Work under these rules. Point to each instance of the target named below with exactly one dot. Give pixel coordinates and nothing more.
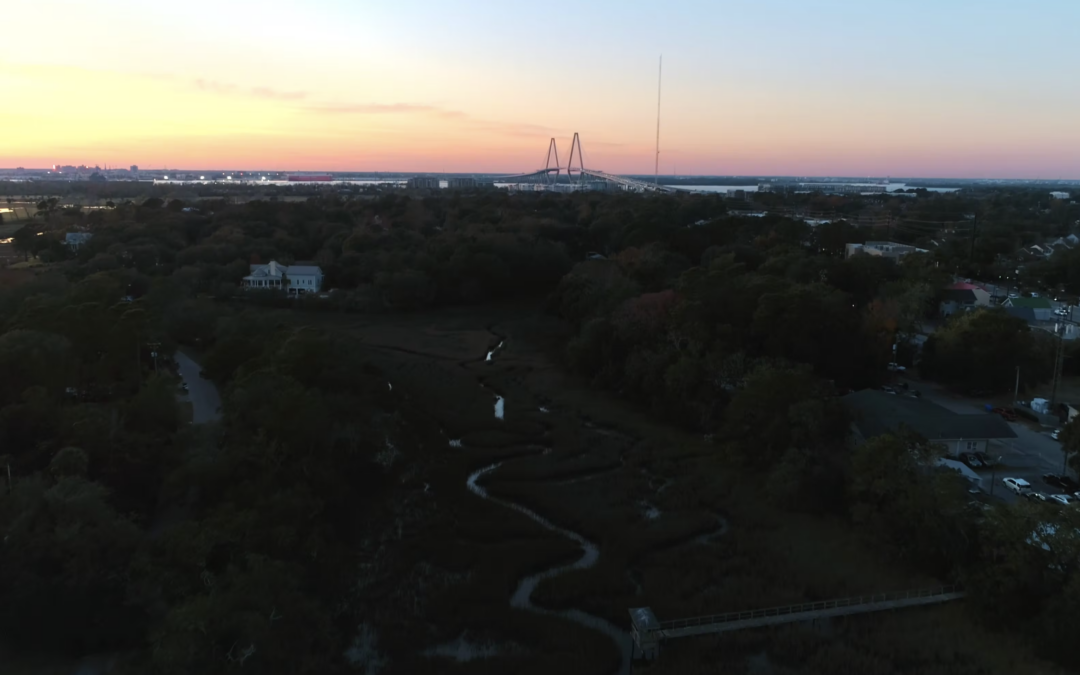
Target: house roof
(962, 296)
(264, 271)
(1025, 313)
(1033, 303)
(964, 286)
(877, 412)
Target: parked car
(971, 460)
(1064, 482)
(1036, 496)
(1017, 485)
(1008, 413)
(1055, 434)
(183, 386)
(1064, 500)
(896, 368)
(985, 459)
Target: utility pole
(154, 346)
(1016, 391)
(1059, 358)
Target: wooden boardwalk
(648, 632)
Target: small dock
(648, 632)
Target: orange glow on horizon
(70, 115)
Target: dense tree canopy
(206, 549)
(981, 351)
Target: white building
(294, 279)
(882, 249)
(1059, 195)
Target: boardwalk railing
(648, 632)
(868, 600)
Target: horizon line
(890, 178)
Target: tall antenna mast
(659, 82)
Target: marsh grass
(620, 457)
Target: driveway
(204, 397)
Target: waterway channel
(590, 552)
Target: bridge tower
(552, 151)
(576, 144)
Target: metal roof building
(876, 412)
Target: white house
(882, 249)
(294, 279)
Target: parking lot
(1030, 455)
(1020, 458)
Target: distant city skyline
(963, 89)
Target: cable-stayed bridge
(577, 177)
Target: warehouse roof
(877, 412)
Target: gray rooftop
(1024, 313)
(959, 295)
(877, 412)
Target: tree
(832, 237)
(980, 352)
(46, 207)
(153, 411)
(901, 498)
(65, 555)
(1027, 574)
(1070, 443)
(27, 241)
(778, 407)
(33, 358)
(814, 324)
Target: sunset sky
(944, 88)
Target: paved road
(1030, 455)
(204, 397)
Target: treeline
(976, 232)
